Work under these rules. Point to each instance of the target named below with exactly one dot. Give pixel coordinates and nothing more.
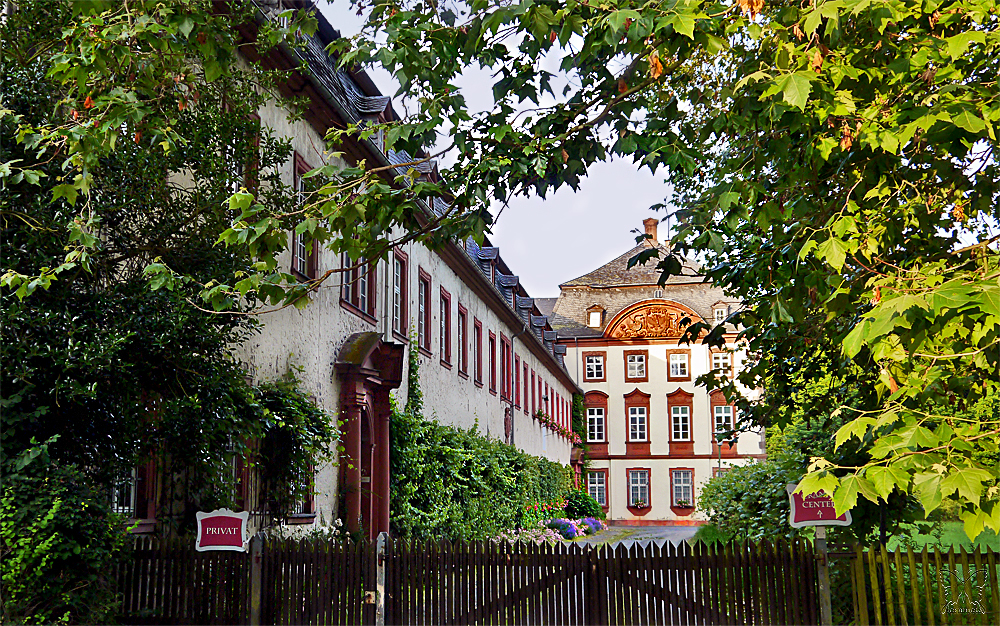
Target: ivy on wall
(456, 483)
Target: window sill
(679, 379)
(141, 526)
(464, 375)
(400, 336)
(301, 518)
(368, 317)
(446, 365)
(424, 351)
(682, 511)
(305, 278)
(493, 391)
(595, 380)
(639, 511)
(644, 379)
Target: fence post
(380, 578)
(255, 579)
(823, 571)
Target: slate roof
(616, 274)
(613, 287)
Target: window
(463, 340)
(424, 311)
(123, 492)
(493, 362)
(505, 390)
(597, 487)
(304, 253)
(678, 366)
(657, 293)
(517, 381)
(534, 404)
(525, 382)
(358, 284)
(477, 347)
(723, 421)
(719, 313)
(445, 330)
(594, 319)
(638, 488)
(593, 366)
(635, 365)
(595, 424)
(399, 319)
(680, 420)
(305, 507)
(723, 363)
(637, 423)
(683, 489)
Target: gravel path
(629, 535)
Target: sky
(551, 241)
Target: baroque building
(653, 436)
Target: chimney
(650, 225)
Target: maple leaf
(655, 67)
(88, 103)
(751, 7)
(622, 85)
(817, 61)
(552, 36)
(565, 156)
(797, 31)
(846, 139)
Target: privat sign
(222, 529)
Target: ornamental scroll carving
(651, 321)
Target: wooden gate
(316, 581)
(500, 583)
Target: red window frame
(445, 330)
(645, 368)
(636, 399)
(304, 268)
(463, 338)
(505, 357)
(673, 503)
(360, 277)
(425, 317)
(493, 362)
(400, 324)
(517, 381)
(525, 384)
(534, 404)
(478, 336)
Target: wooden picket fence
(325, 582)
(933, 586)
(167, 582)
(488, 583)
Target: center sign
(222, 529)
(814, 509)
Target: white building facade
(651, 431)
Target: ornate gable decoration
(653, 319)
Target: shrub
(568, 529)
(592, 525)
(581, 504)
(58, 544)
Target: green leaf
(815, 482)
(958, 44)
(975, 522)
(969, 121)
(885, 479)
(64, 191)
(846, 495)
(967, 481)
(683, 23)
(212, 70)
(795, 89)
(927, 488)
(834, 252)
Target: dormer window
(720, 313)
(595, 316)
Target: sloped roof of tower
(616, 273)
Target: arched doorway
(368, 368)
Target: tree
(834, 161)
(103, 368)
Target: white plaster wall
(309, 340)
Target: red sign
(814, 509)
(222, 530)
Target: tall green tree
(101, 367)
(834, 162)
